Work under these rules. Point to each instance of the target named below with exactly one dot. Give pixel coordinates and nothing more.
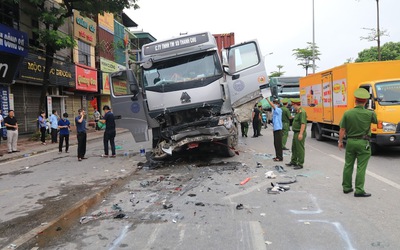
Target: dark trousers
(97, 126)
(256, 129)
(109, 136)
(278, 144)
(244, 126)
(60, 145)
(53, 135)
(43, 134)
(81, 144)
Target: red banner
(86, 78)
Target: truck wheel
(227, 148)
(318, 133)
(230, 142)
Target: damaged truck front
(187, 95)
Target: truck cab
(187, 95)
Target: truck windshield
(388, 93)
(193, 70)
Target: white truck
(187, 95)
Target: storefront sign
(61, 73)
(107, 66)
(106, 22)
(13, 48)
(13, 41)
(84, 28)
(86, 78)
(9, 65)
(4, 106)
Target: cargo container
(328, 94)
(224, 41)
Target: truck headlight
(388, 127)
(226, 121)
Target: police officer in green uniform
(299, 136)
(285, 122)
(356, 124)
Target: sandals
(277, 159)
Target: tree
(389, 51)
(305, 56)
(52, 15)
(277, 73)
(376, 32)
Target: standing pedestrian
(277, 128)
(244, 126)
(286, 116)
(109, 132)
(96, 116)
(42, 127)
(356, 124)
(64, 126)
(256, 119)
(11, 124)
(80, 123)
(54, 126)
(299, 136)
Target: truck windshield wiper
(392, 101)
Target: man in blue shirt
(64, 125)
(277, 124)
(54, 126)
(80, 123)
(109, 133)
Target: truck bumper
(201, 135)
(387, 139)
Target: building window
(9, 14)
(84, 53)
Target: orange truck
(326, 95)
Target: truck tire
(318, 132)
(229, 144)
(226, 149)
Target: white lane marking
(118, 240)
(370, 173)
(344, 235)
(314, 200)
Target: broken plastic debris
(259, 165)
(119, 216)
(245, 181)
(199, 204)
(167, 206)
(144, 183)
(307, 223)
(279, 168)
(270, 175)
(268, 242)
(239, 206)
(262, 214)
(191, 195)
(173, 220)
(12, 246)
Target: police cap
(285, 100)
(361, 93)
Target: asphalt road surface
(196, 201)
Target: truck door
(128, 105)
(246, 72)
(327, 85)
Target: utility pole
(313, 34)
(378, 30)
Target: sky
(279, 25)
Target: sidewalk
(28, 147)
